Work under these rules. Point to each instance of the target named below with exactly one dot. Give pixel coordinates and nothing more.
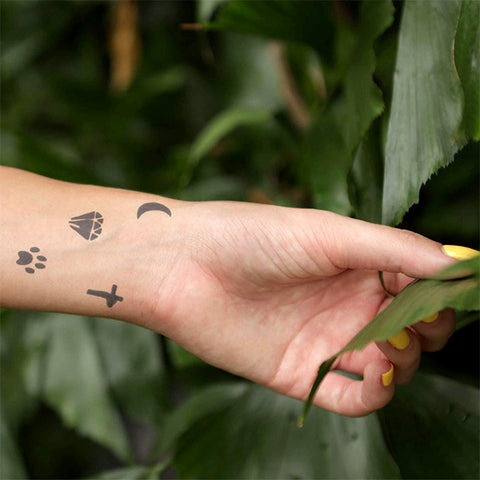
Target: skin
(261, 291)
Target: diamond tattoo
(88, 225)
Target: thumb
(354, 244)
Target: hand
(269, 293)
(261, 291)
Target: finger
(356, 361)
(356, 398)
(434, 332)
(354, 244)
(404, 351)
(396, 282)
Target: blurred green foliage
(306, 104)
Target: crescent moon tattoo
(147, 207)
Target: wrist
(65, 244)
(140, 255)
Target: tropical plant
(365, 109)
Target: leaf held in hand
(419, 300)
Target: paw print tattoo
(26, 258)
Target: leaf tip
(301, 422)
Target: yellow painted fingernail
(460, 253)
(431, 318)
(400, 341)
(387, 377)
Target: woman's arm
(264, 292)
(75, 248)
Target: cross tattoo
(111, 297)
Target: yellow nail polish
(460, 253)
(400, 341)
(431, 318)
(387, 377)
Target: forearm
(51, 260)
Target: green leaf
(132, 367)
(242, 430)
(136, 472)
(16, 403)
(47, 158)
(467, 61)
(223, 124)
(204, 403)
(331, 142)
(215, 187)
(75, 385)
(426, 112)
(307, 22)
(432, 426)
(160, 83)
(365, 180)
(249, 73)
(11, 464)
(206, 8)
(419, 300)
(21, 54)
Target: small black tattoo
(111, 297)
(26, 258)
(88, 225)
(147, 207)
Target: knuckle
(408, 237)
(331, 243)
(404, 375)
(410, 240)
(370, 404)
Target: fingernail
(387, 377)
(460, 253)
(400, 341)
(431, 318)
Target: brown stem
(124, 44)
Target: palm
(301, 325)
(269, 293)
(254, 310)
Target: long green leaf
(417, 301)
(424, 130)
(223, 124)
